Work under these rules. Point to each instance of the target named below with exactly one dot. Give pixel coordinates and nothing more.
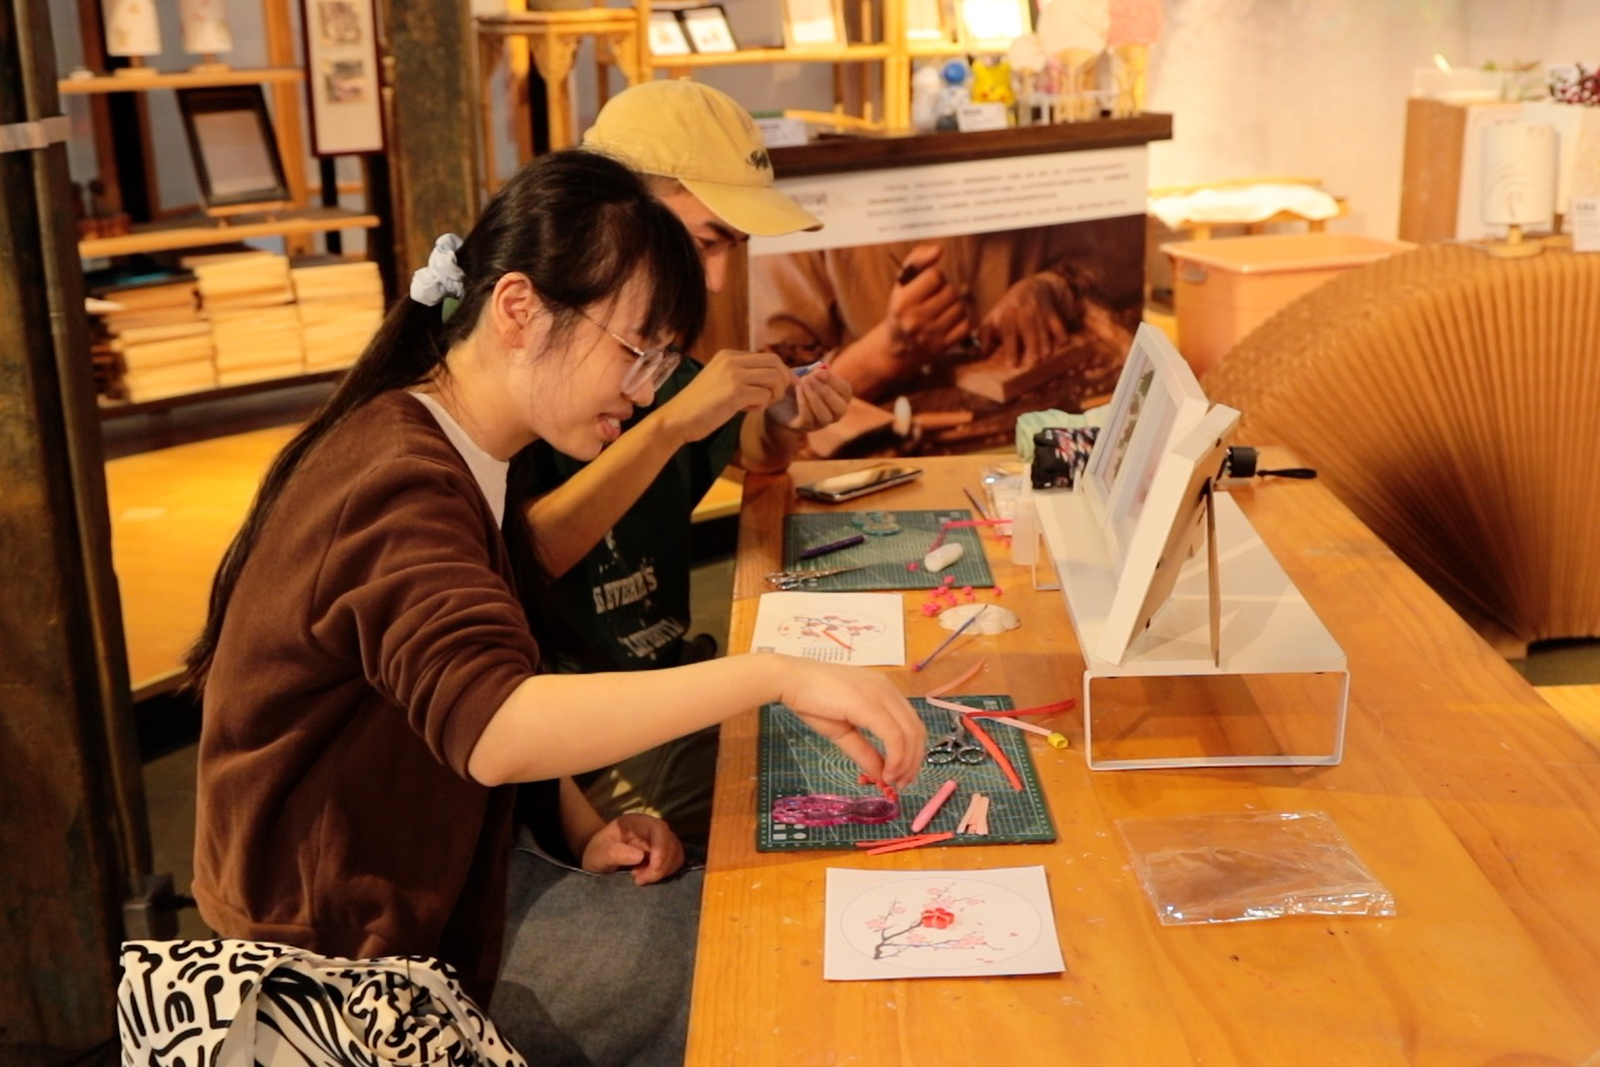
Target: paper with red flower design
(927, 924)
(862, 629)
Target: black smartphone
(841, 487)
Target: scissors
(955, 747)
(803, 579)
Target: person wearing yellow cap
(612, 586)
(613, 533)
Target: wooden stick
(924, 661)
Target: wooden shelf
(186, 79)
(194, 233)
(856, 53)
(119, 409)
(932, 49)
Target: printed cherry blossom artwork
(865, 629)
(909, 924)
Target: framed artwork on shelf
(342, 76)
(708, 29)
(814, 24)
(928, 22)
(666, 35)
(235, 152)
(991, 25)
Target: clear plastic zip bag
(1246, 866)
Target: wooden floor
(173, 512)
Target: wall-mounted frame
(666, 35)
(814, 24)
(929, 22)
(235, 153)
(342, 76)
(991, 25)
(708, 29)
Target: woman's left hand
(643, 843)
(817, 400)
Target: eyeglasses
(651, 365)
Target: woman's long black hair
(579, 225)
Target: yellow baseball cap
(685, 130)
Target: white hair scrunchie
(442, 276)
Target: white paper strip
(132, 28)
(205, 27)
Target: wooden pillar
(73, 837)
(431, 127)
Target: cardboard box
(1224, 288)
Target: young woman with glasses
(371, 689)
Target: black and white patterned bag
(240, 1003)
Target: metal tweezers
(803, 579)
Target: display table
(1464, 792)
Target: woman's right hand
(730, 382)
(838, 702)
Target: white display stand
(1278, 684)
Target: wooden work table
(1463, 791)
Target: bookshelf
(123, 132)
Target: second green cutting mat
(883, 558)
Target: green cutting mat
(883, 558)
(795, 761)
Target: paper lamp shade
(1025, 54)
(1519, 175)
(1074, 25)
(132, 28)
(1134, 22)
(205, 27)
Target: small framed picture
(814, 24)
(342, 76)
(991, 25)
(708, 29)
(235, 152)
(666, 35)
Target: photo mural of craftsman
(1009, 286)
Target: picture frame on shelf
(235, 151)
(708, 30)
(813, 24)
(667, 37)
(342, 77)
(991, 25)
(929, 22)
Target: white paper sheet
(938, 924)
(861, 629)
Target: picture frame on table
(1157, 400)
(235, 151)
(666, 35)
(708, 30)
(1175, 517)
(991, 25)
(813, 24)
(342, 77)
